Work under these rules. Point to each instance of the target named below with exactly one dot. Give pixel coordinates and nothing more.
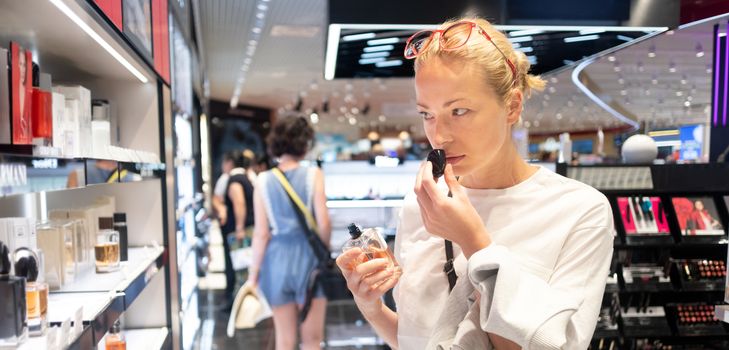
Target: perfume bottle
(106, 249)
(41, 102)
(115, 339)
(371, 243)
(26, 265)
(120, 225)
(13, 330)
(56, 240)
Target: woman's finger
(434, 195)
(346, 261)
(419, 178)
(374, 279)
(452, 182)
(371, 266)
(390, 282)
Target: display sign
(692, 141)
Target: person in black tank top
(239, 206)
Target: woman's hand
(453, 218)
(368, 280)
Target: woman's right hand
(368, 280)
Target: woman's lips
(454, 160)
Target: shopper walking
(221, 186)
(282, 256)
(239, 211)
(532, 249)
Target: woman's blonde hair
(483, 55)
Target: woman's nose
(441, 132)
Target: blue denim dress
(288, 259)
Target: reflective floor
(345, 326)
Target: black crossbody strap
(449, 268)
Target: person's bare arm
(221, 212)
(320, 208)
(237, 196)
(261, 236)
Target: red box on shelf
(20, 90)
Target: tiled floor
(345, 326)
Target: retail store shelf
(133, 275)
(71, 40)
(82, 341)
(150, 338)
(26, 172)
(102, 298)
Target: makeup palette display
(645, 278)
(700, 275)
(644, 219)
(695, 319)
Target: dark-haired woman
(282, 257)
(239, 208)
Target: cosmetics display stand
(670, 277)
(78, 45)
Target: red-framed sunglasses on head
(451, 38)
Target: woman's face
(699, 205)
(462, 114)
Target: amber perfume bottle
(115, 339)
(371, 243)
(106, 249)
(26, 265)
(13, 330)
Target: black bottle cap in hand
(438, 158)
(354, 231)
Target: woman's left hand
(240, 234)
(453, 218)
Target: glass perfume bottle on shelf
(372, 244)
(26, 263)
(115, 339)
(106, 249)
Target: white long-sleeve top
(550, 255)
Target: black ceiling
(549, 50)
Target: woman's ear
(514, 107)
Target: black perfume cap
(354, 231)
(4, 259)
(106, 223)
(120, 217)
(36, 75)
(438, 158)
(26, 266)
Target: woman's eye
(425, 115)
(460, 111)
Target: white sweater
(552, 245)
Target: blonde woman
(531, 248)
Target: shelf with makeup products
(669, 263)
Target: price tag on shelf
(78, 322)
(65, 338)
(52, 339)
